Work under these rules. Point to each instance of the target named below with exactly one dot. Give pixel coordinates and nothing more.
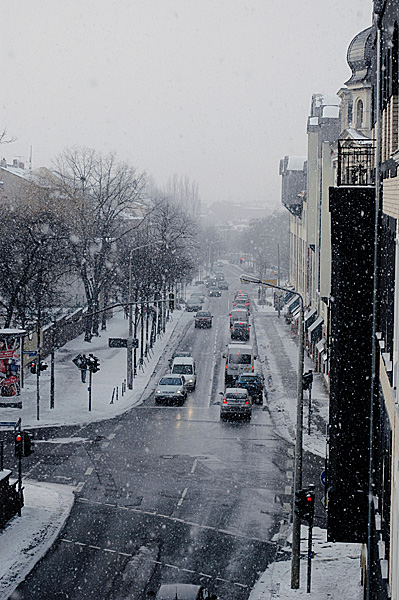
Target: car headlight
(158, 391)
(190, 381)
(178, 391)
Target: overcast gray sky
(216, 90)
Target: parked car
(171, 389)
(236, 402)
(214, 292)
(203, 319)
(223, 285)
(254, 384)
(240, 330)
(193, 305)
(183, 591)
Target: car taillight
(224, 401)
(247, 328)
(253, 369)
(246, 401)
(238, 384)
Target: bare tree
(101, 195)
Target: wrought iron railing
(355, 162)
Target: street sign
(30, 352)
(122, 342)
(270, 281)
(324, 477)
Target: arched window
(359, 114)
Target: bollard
(117, 390)
(113, 394)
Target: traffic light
(307, 380)
(43, 365)
(28, 443)
(18, 444)
(171, 301)
(240, 261)
(93, 363)
(304, 504)
(32, 366)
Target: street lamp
(130, 335)
(296, 521)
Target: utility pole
(296, 522)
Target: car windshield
(203, 314)
(171, 381)
(240, 359)
(183, 369)
(248, 379)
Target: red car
(203, 319)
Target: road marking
(89, 471)
(156, 562)
(182, 497)
(188, 523)
(80, 486)
(111, 436)
(287, 489)
(104, 444)
(194, 466)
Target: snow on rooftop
(331, 112)
(296, 163)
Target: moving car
(197, 296)
(177, 353)
(223, 285)
(171, 389)
(238, 314)
(236, 402)
(240, 330)
(214, 292)
(239, 359)
(185, 366)
(203, 319)
(193, 305)
(253, 383)
(184, 591)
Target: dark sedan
(203, 319)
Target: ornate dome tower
(356, 96)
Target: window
(359, 114)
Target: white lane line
(94, 547)
(80, 486)
(89, 471)
(194, 466)
(111, 436)
(182, 497)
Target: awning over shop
(291, 304)
(320, 345)
(309, 313)
(314, 330)
(295, 314)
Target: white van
(185, 365)
(240, 358)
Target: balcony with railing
(355, 163)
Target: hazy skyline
(215, 90)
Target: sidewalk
(336, 572)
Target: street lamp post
(296, 521)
